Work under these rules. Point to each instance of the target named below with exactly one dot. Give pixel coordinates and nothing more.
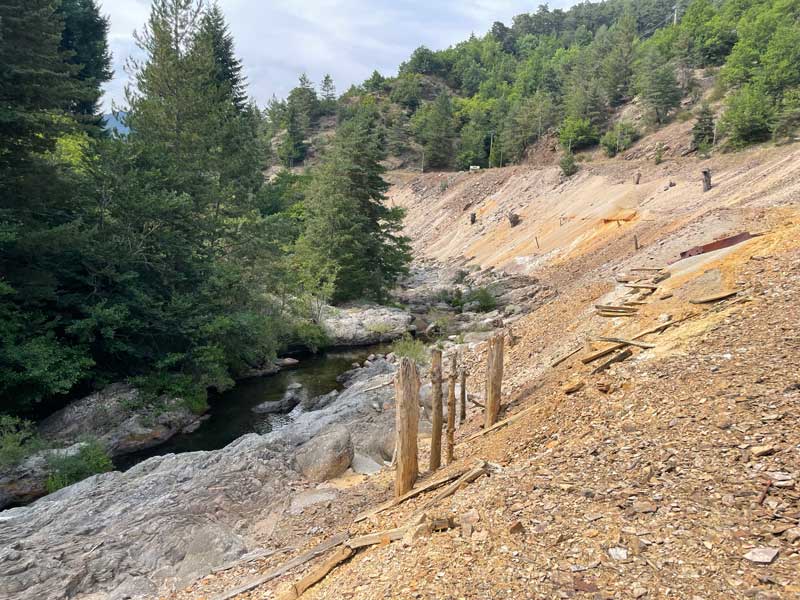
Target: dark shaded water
(230, 414)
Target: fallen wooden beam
(415, 492)
(647, 269)
(318, 574)
(451, 489)
(624, 355)
(715, 297)
(612, 308)
(564, 357)
(641, 286)
(614, 315)
(601, 353)
(257, 555)
(498, 425)
(617, 340)
(381, 537)
(285, 567)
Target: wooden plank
(715, 297)
(285, 567)
(564, 357)
(462, 415)
(641, 286)
(251, 557)
(624, 355)
(415, 492)
(451, 410)
(647, 269)
(390, 535)
(616, 340)
(499, 424)
(451, 489)
(614, 315)
(601, 353)
(318, 574)
(612, 308)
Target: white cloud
(279, 39)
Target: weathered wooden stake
(636, 242)
(636, 178)
(494, 379)
(462, 415)
(537, 242)
(406, 387)
(436, 409)
(451, 409)
(706, 179)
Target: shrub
(154, 386)
(619, 138)
(91, 459)
(788, 118)
(311, 335)
(748, 116)
(577, 133)
(568, 165)
(659, 157)
(484, 297)
(18, 440)
(409, 347)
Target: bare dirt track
(673, 474)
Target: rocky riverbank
(177, 516)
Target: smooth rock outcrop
(364, 324)
(326, 455)
(168, 519)
(293, 396)
(119, 418)
(27, 480)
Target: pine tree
(349, 229)
(617, 67)
(657, 84)
(703, 129)
(228, 66)
(292, 149)
(435, 128)
(328, 93)
(85, 42)
(303, 99)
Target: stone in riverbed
(292, 397)
(326, 455)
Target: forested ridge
(486, 100)
(164, 256)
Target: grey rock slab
(364, 324)
(763, 556)
(326, 455)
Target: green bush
(153, 387)
(484, 297)
(748, 116)
(577, 133)
(788, 117)
(568, 165)
(408, 347)
(91, 459)
(659, 157)
(18, 440)
(619, 138)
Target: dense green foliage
(619, 138)
(18, 439)
(163, 256)
(486, 100)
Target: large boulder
(327, 455)
(123, 535)
(27, 480)
(364, 324)
(120, 418)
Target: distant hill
(117, 123)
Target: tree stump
(436, 409)
(706, 179)
(494, 379)
(451, 409)
(472, 218)
(407, 424)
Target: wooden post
(494, 379)
(706, 179)
(472, 218)
(451, 409)
(636, 178)
(462, 416)
(537, 242)
(636, 242)
(436, 409)
(406, 385)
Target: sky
(277, 40)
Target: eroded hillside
(673, 474)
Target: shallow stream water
(230, 414)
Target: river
(230, 414)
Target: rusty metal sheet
(717, 245)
